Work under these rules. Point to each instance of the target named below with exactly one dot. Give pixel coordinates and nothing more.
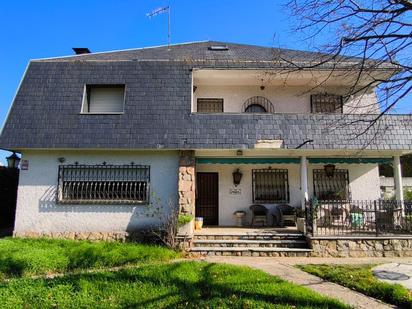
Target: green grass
(361, 279)
(27, 257)
(173, 285)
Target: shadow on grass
(196, 284)
(11, 267)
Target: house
(104, 135)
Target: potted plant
(185, 226)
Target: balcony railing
(348, 217)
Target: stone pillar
(397, 173)
(187, 184)
(304, 181)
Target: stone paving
(397, 272)
(283, 268)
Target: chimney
(81, 50)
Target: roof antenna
(162, 10)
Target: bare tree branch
(368, 45)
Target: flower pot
(239, 217)
(186, 230)
(301, 225)
(198, 223)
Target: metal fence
(103, 184)
(345, 218)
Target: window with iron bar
(335, 187)
(326, 103)
(209, 105)
(111, 184)
(270, 186)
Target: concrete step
(252, 251)
(284, 243)
(243, 236)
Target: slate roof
(46, 110)
(198, 52)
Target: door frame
(217, 193)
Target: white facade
(363, 185)
(37, 210)
(288, 92)
(291, 99)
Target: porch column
(304, 181)
(397, 173)
(186, 184)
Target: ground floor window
(270, 186)
(331, 187)
(103, 183)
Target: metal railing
(110, 184)
(347, 217)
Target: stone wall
(186, 185)
(92, 236)
(362, 247)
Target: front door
(207, 197)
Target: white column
(304, 181)
(397, 173)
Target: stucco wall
(388, 186)
(364, 185)
(289, 99)
(38, 212)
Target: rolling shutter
(105, 99)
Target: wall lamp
(237, 177)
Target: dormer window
(326, 103)
(103, 99)
(258, 104)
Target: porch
(227, 185)
(333, 195)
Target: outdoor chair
(284, 212)
(259, 214)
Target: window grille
(122, 184)
(210, 105)
(270, 186)
(334, 187)
(258, 104)
(326, 103)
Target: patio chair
(259, 214)
(287, 213)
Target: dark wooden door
(9, 179)
(207, 197)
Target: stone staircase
(257, 243)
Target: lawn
(361, 279)
(173, 285)
(26, 257)
(151, 280)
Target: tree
(376, 34)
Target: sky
(48, 28)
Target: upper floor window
(258, 104)
(270, 186)
(209, 105)
(111, 184)
(103, 99)
(326, 103)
